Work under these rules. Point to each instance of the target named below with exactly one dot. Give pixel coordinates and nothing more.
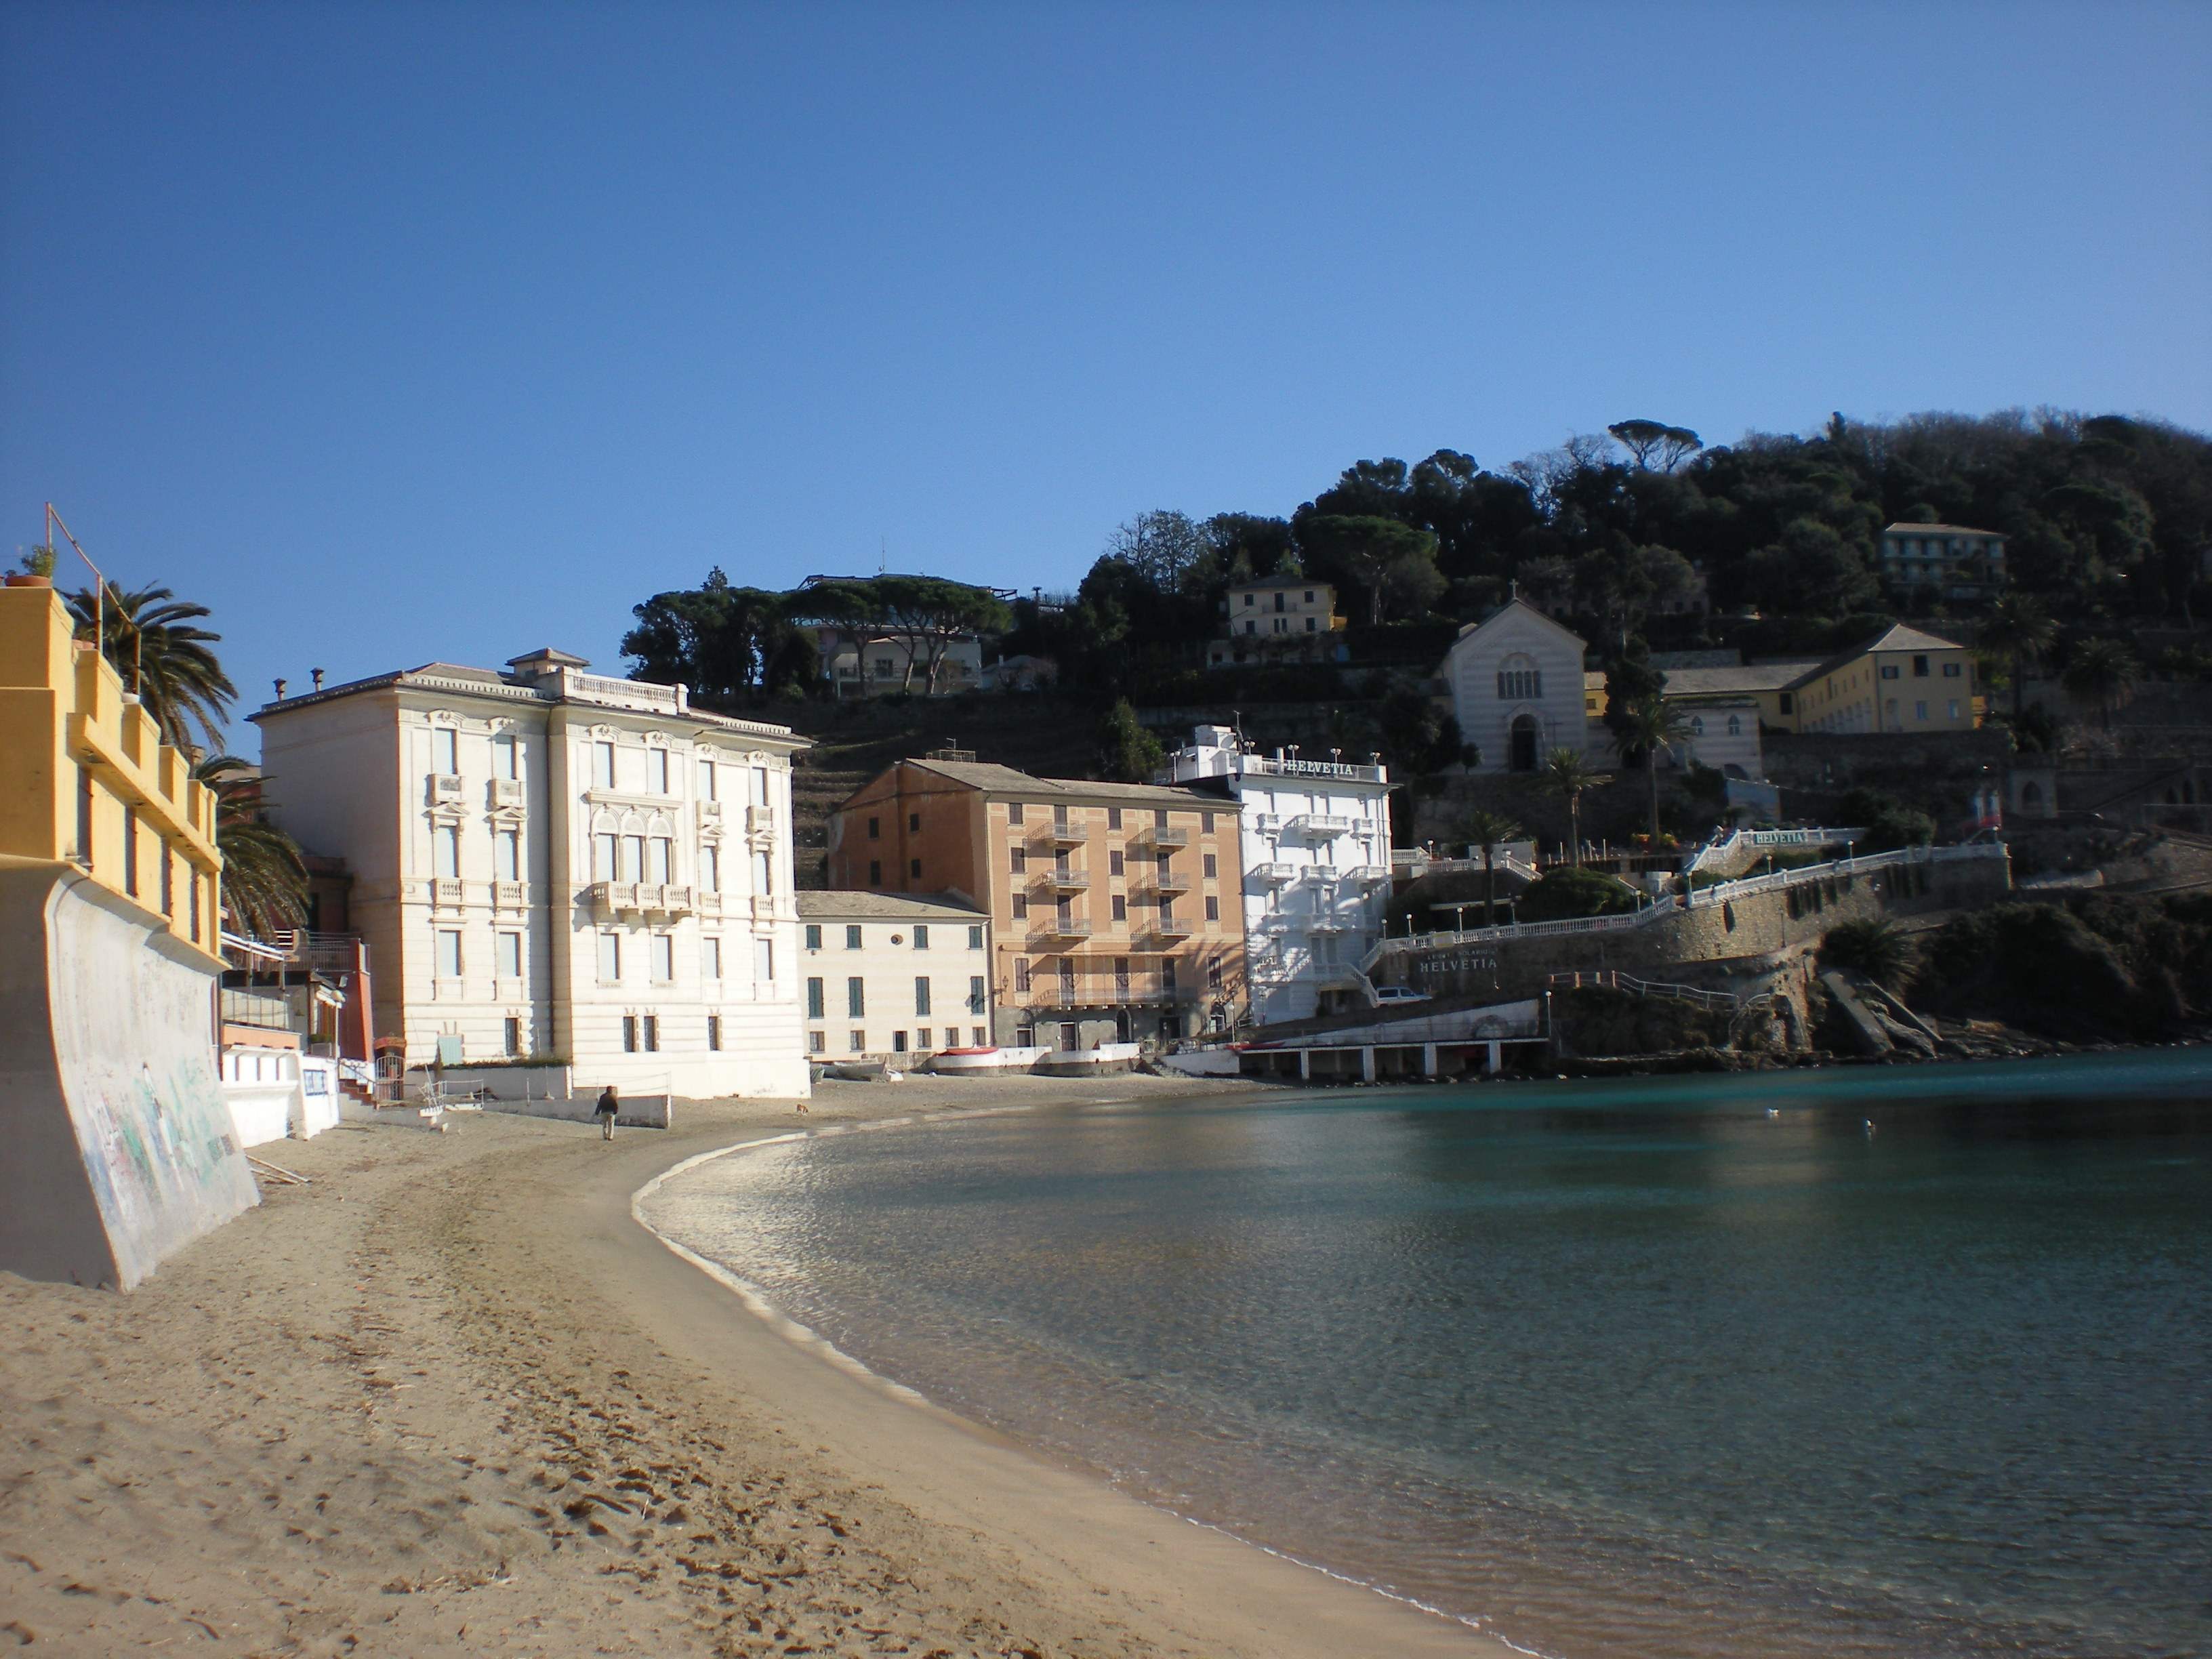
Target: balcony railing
(638, 898)
(1171, 928)
(1059, 879)
(1060, 833)
(1365, 875)
(1321, 823)
(510, 895)
(446, 892)
(1072, 927)
(1275, 873)
(1166, 837)
(1171, 881)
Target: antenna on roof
(883, 553)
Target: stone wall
(1719, 942)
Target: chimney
(280, 689)
(318, 674)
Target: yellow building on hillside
(90, 783)
(1901, 681)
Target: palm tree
(1648, 725)
(1879, 949)
(265, 881)
(1488, 830)
(2102, 672)
(150, 637)
(2019, 627)
(1567, 775)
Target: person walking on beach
(608, 1106)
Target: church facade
(1517, 688)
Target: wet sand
(451, 1399)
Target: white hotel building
(1316, 845)
(549, 862)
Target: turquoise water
(1620, 1368)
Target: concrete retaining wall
(120, 1149)
(638, 1111)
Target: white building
(1317, 846)
(1517, 687)
(865, 665)
(888, 976)
(549, 862)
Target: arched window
(1697, 725)
(1519, 679)
(1736, 726)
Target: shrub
(1568, 892)
(1877, 948)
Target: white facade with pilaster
(1517, 688)
(553, 863)
(1317, 846)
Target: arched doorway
(1521, 752)
(2030, 797)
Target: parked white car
(1399, 993)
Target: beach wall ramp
(119, 1146)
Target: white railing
(598, 688)
(1724, 846)
(1719, 893)
(1612, 980)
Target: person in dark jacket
(606, 1109)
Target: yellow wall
(1856, 697)
(87, 780)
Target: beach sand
(451, 1399)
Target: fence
(1612, 980)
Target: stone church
(1517, 688)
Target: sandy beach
(450, 1398)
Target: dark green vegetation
(2100, 966)
(1567, 892)
(1888, 821)
(1878, 949)
(1598, 1022)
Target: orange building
(1116, 908)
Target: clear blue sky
(397, 332)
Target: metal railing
(1612, 980)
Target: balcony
(445, 789)
(710, 904)
(1064, 833)
(446, 892)
(1322, 824)
(1159, 837)
(710, 811)
(760, 821)
(1043, 931)
(508, 792)
(1274, 873)
(1169, 881)
(1061, 879)
(1365, 875)
(510, 895)
(616, 898)
(1171, 928)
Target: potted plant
(38, 569)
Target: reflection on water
(1634, 1367)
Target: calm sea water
(1690, 1367)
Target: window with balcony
(633, 858)
(660, 863)
(509, 946)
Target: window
(1250, 598)
(975, 994)
(860, 1043)
(914, 868)
(196, 907)
(1121, 908)
(1212, 909)
(1013, 812)
(664, 958)
(1021, 906)
(1279, 600)
(130, 851)
(509, 956)
(1697, 725)
(511, 1035)
(713, 1031)
(610, 958)
(710, 869)
(1205, 824)
(1521, 681)
(922, 1037)
(875, 829)
(506, 855)
(756, 785)
(974, 938)
(817, 1042)
(898, 1042)
(1786, 703)
(445, 847)
(922, 993)
(1114, 863)
(1250, 627)
(1113, 817)
(1018, 862)
(853, 938)
(449, 953)
(875, 873)
(1167, 973)
(980, 1038)
(169, 882)
(914, 823)
(1950, 671)
(445, 750)
(1736, 726)
(922, 936)
(814, 998)
(1313, 625)
(1951, 709)
(1889, 671)
(705, 779)
(1021, 973)
(1211, 866)
(505, 757)
(633, 858)
(603, 765)
(1920, 668)
(764, 961)
(1282, 624)
(710, 959)
(1160, 818)
(653, 1034)
(763, 877)
(856, 997)
(656, 771)
(660, 865)
(1920, 711)
(1213, 975)
(603, 857)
